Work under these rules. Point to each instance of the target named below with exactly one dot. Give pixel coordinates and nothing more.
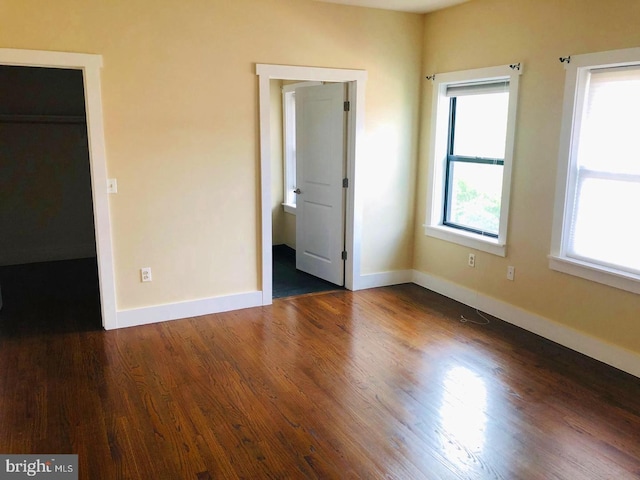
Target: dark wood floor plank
(383, 383)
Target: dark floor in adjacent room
(50, 298)
(288, 281)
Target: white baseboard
(195, 308)
(617, 357)
(47, 254)
(383, 279)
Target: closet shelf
(14, 118)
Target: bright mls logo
(51, 467)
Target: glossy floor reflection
(463, 416)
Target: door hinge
(345, 183)
(347, 106)
(344, 255)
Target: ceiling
(415, 6)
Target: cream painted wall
(289, 231)
(181, 125)
(536, 32)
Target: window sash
(604, 257)
(452, 159)
(449, 191)
(481, 160)
(593, 79)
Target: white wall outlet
(112, 185)
(472, 260)
(511, 272)
(145, 274)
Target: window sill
(289, 208)
(468, 239)
(596, 273)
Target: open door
(320, 170)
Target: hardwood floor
(382, 383)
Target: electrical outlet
(472, 260)
(511, 272)
(145, 274)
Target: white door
(320, 169)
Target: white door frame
(90, 66)
(355, 133)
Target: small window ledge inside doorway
(289, 208)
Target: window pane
(474, 200)
(481, 125)
(605, 225)
(609, 140)
(290, 147)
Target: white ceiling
(415, 6)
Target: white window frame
(434, 226)
(289, 142)
(577, 73)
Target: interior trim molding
(194, 308)
(612, 355)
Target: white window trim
(289, 208)
(574, 91)
(437, 158)
(289, 141)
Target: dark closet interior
(48, 269)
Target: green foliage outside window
(472, 207)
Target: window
(596, 232)
(475, 159)
(470, 168)
(289, 139)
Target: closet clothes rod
(68, 119)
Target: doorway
(352, 229)
(308, 188)
(48, 268)
(88, 66)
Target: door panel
(320, 145)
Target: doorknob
(297, 191)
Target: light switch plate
(112, 185)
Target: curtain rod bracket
(515, 66)
(431, 77)
(565, 59)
